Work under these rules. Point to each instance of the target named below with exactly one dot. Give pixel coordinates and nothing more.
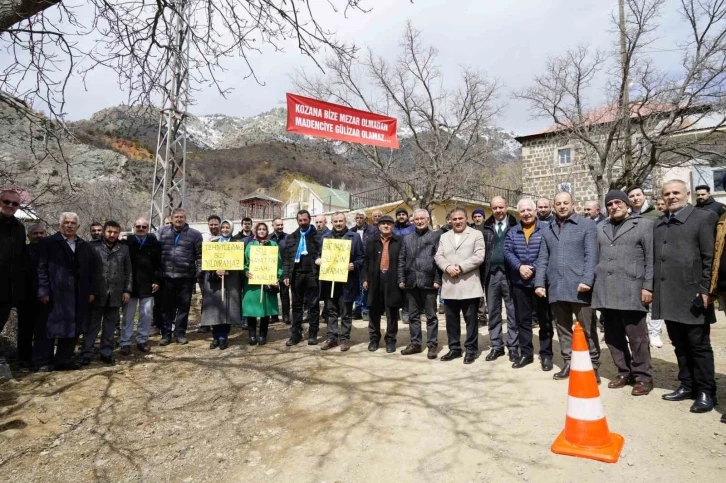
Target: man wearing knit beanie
(478, 216)
(623, 291)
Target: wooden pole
(222, 288)
(332, 289)
(262, 292)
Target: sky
(510, 41)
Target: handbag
(271, 289)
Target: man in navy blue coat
(339, 302)
(566, 265)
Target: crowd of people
(628, 269)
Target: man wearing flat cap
(380, 274)
(623, 291)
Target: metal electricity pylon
(169, 189)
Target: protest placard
(334, 260)
(223, 256)
(263, 265)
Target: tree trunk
(14, 11)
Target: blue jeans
(143, 328)
(360, 304)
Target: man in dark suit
(380, 274)
(683, 252)
(299, 272)
(566, 273)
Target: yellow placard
(263, 265)
(334, 260)
(223, 256)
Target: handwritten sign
(223, 256)
(334, 260)
(263, 265)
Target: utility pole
(168, 190)
(625, 94)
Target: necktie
(499, 228)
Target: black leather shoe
(108, 360)
(86, 361)
(547, 364)
(71, 366)
(522, 361)
(564, 373)
(214, 344)
(262, 340)
(513, 356)
(390, 347)
(680, 394)
(182, 340)
(373, 346)
(313, 339)
(253, 340)
(294, 339)
(704, 403)
(494, 354)
(44, 369)
(166, 340)
(223, 344)
(469, 358)
(451, 355)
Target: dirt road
(249, 414)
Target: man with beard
(112, 291)
(96, 230)
(213, 223)
(705, 201)
(300, 273)
(544, 210)
(339, 303)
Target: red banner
(322, 119)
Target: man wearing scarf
(340, 302)
(300, 273)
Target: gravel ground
(248, 414)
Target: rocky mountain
(219, 131)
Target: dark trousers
(304, 290)
(101, 319)
(220, 331)
(158, 310)
(285, 301)
(177, 300)
(498, 291)
(43, 351)
(527, 305)
(336, 306)
(376, 309)
(26, 329)
(626, 334)
(263, 325)
(470, 309)
(692, 344)
(421, 301)
(563, 312)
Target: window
(564, 156)
(718, 175)
(648, 184)
(565, 187)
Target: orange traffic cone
(586, 432)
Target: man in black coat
(380, 279)
(68, 272)
(299, 272)
(279, 236)
(705, 201)
(181, 264)
(145, 253)
(28, 308)
(112, 291)
(683, 243)
(13, 263)
(419, 276)
(365, 232)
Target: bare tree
(672, 118)
(443, 125)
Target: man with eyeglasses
(13, 263)
(145, 253)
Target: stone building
(552, 162)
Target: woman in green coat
(253, 306)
